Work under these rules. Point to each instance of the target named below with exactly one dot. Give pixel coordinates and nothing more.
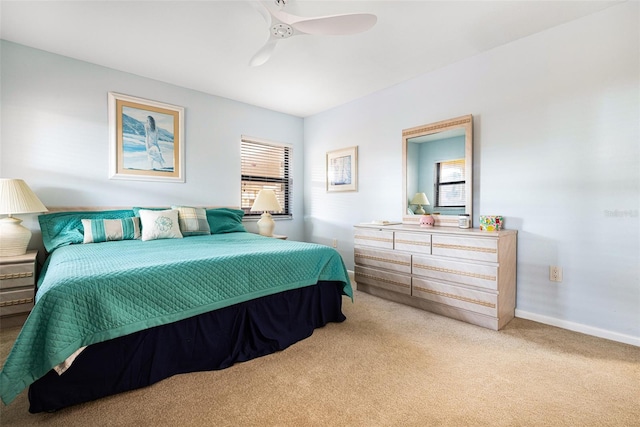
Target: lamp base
(420, 210)
(266, 225)
(14, 238)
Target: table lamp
(16, 198)
(266, 201)
(420, 199)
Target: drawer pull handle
(382, 279)
(413, 242)
(458, 297)
(16, 302)
(377, 258)
(377, 239)
(459, 273)
(22, 275)
(465, 248)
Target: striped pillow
(104, 230)
(193, 221)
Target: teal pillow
(65, 228)
(225, 220)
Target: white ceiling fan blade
(336, 25)
(264, 53)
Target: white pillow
(160, 224)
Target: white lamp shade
(420, 199)
(16, 197)
(266, 201)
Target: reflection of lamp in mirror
(16, 198)
(266, 201)
(420, 199)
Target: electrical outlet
(555, 273)
(335, 243)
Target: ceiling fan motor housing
(282, 31)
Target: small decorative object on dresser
(17, 288)
(491, 222)
(427, 220)
(461, 273)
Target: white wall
(556, 134)
(55, 137)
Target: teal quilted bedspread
(94, 292)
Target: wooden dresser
(466, 274)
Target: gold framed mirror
(438, 163)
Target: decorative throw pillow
(193, 221)
(104, 230)
(160, 224)
(225, 220)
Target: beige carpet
(388, 365)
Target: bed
(125, 312)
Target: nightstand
(17, 288)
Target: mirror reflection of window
(450, 183)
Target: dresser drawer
(419, 243)
(465, 248)
(383, 279)
(456, 296)
(14, 302)
(485, 276)
(388, 260)
(375, 238)
(17, 275)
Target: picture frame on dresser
(146, 139)
(342, 169)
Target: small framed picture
(342, 169)
(146, 140)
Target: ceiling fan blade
(264, 53)
(336, 25)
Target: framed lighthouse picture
(342, 169)
(146, 139)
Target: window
(450, 184)
(265, 165)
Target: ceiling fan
(283, 25)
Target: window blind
(450, 183)
(265, 165)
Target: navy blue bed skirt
(210, 341)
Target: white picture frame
(342, 169)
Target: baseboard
(564, 324)
(578, 327)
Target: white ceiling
(206, 45)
